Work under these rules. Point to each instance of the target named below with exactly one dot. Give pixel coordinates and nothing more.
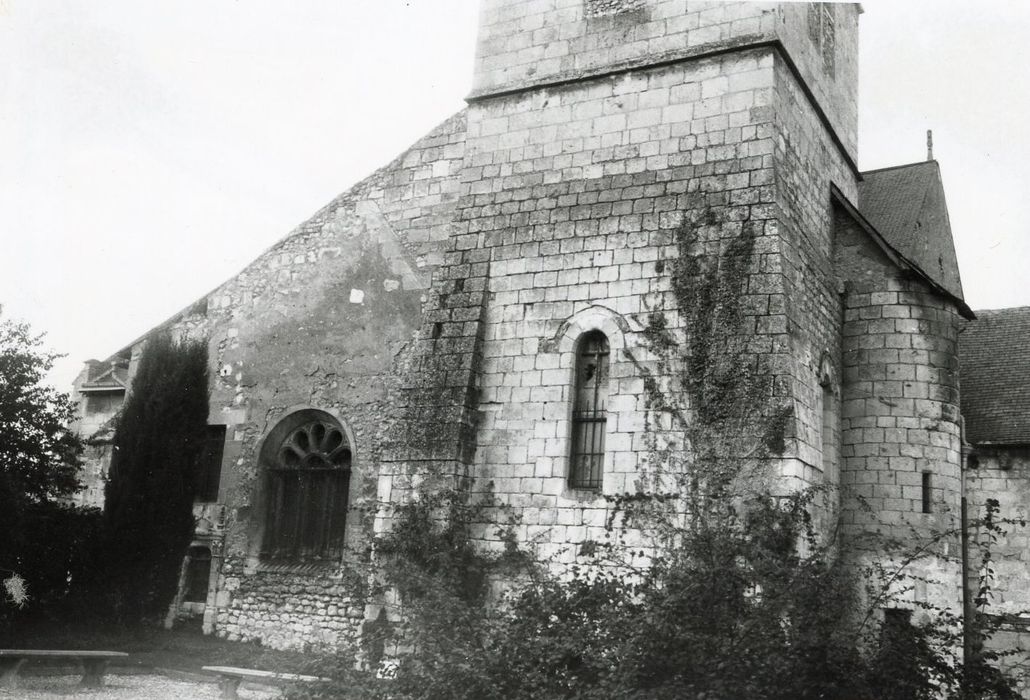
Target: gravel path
(134, 687)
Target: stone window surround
(589, 404)
(296, 415)
(566, 342)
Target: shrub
(58, 555)
(734, 611)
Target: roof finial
(929, 144)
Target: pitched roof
(906, 205)
(114, 377)
(994, 361)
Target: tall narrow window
(830, 436)
(308, 479)
(927, 492)
(589, 412)
(209, 470)
(830, 424)
(822, 29)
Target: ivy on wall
(715, 415)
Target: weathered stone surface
(614, 153)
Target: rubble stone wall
(316, 322)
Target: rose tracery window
(308, 479)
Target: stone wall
(96, 460)
(901, 395)
(293, 608)
(1002, 473)
(317, 322)
(900, 415)
(94, 423)
(524, 43)
(807, 164)
(577, 193)
(822, 40)
(572, 197)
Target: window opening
(927, 490)
(589, 413)
(308, 485)
(198, 574)
(897, 625)
(209, 470)
(829, 39)
(102, 403)
(830, 435)
(822, 30)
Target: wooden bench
(94, 663)
(229, 678)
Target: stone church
(511, 301)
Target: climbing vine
(717, 600)
(715, 413)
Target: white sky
(149, 150)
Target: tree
(148, 509)
(39, 455)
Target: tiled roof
(994, 356)
(906, 205)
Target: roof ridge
(903, 165)
(917, 224)
(1004, 308)
(351, 195)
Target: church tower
(656, 228)
(643, 239)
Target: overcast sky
(149, 149)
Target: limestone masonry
(435, 320)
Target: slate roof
(994, 357)
(906, 205)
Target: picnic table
(94, 663)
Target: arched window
(308, 465)
(589, 412)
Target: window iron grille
(589, 413)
